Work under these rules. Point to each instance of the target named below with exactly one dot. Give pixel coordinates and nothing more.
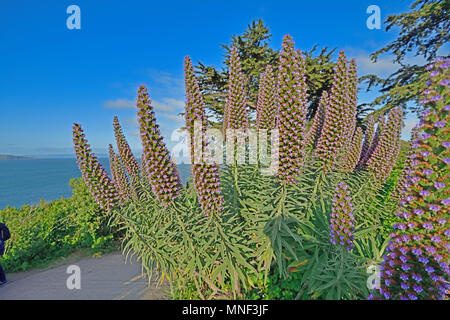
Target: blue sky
(51, 76)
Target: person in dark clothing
(4, 235)
(3, 280)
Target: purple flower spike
(94, 175)
(266, 109)
(342, 221)
(235, 113)
(119, 177)
(129, 161)
(314, 133)
(339, 122)
(367, 147)
(159, 168)
(292, 101)
(424, 199)
(354, 152)
(383, 159)
(205, 174)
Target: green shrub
(41, 233)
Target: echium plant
(158, 166)
(383, 158)
(416, 263)
(403, 180)
(129, 161)
(352, 103)
(368, 138)
(342, 221)
(292, 103)
(119, 177)
(236, 106)
(353, 151)
(316, 127)
(205, 174)
(337, 115)
(376, 138)
(266, 111)
(94, 175)
(261, 98)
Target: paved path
(106, 278)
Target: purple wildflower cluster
(383, 158)
(368, 139)
(376, 138)
(158, 166)
(235, 113)
(94, 175)
(338, 115)
(194, 113)
(352, 103)
(266, 109)
(342, 221)
(354, 151)
(206, 174)
(292, 103)
(119, 177)
(416, 263)
(403, 180)
(316, 128)
(129, 161)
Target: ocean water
(29, 181)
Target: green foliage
(41, 233)
(271, 241)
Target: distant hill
(10, 157)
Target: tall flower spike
(368, 138)
(383, 159)
(352, 101)
(158, 166)
(225, 119)
(292, 102)
(266, 109)
(354, 151)
(129, 161)
(403, 180)
(316, 128)
(375, 140)
(342, 221)
(236, 109)
(416, 263)
(119, 176)
(94, 175)
(205, 174)
(261, 98)
(337, 115)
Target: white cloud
(120, 104)
(131, 122)
(410, 123)
(169, 104)
(382, 67)
(173, 117)
(166, 104)
(162, 82)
